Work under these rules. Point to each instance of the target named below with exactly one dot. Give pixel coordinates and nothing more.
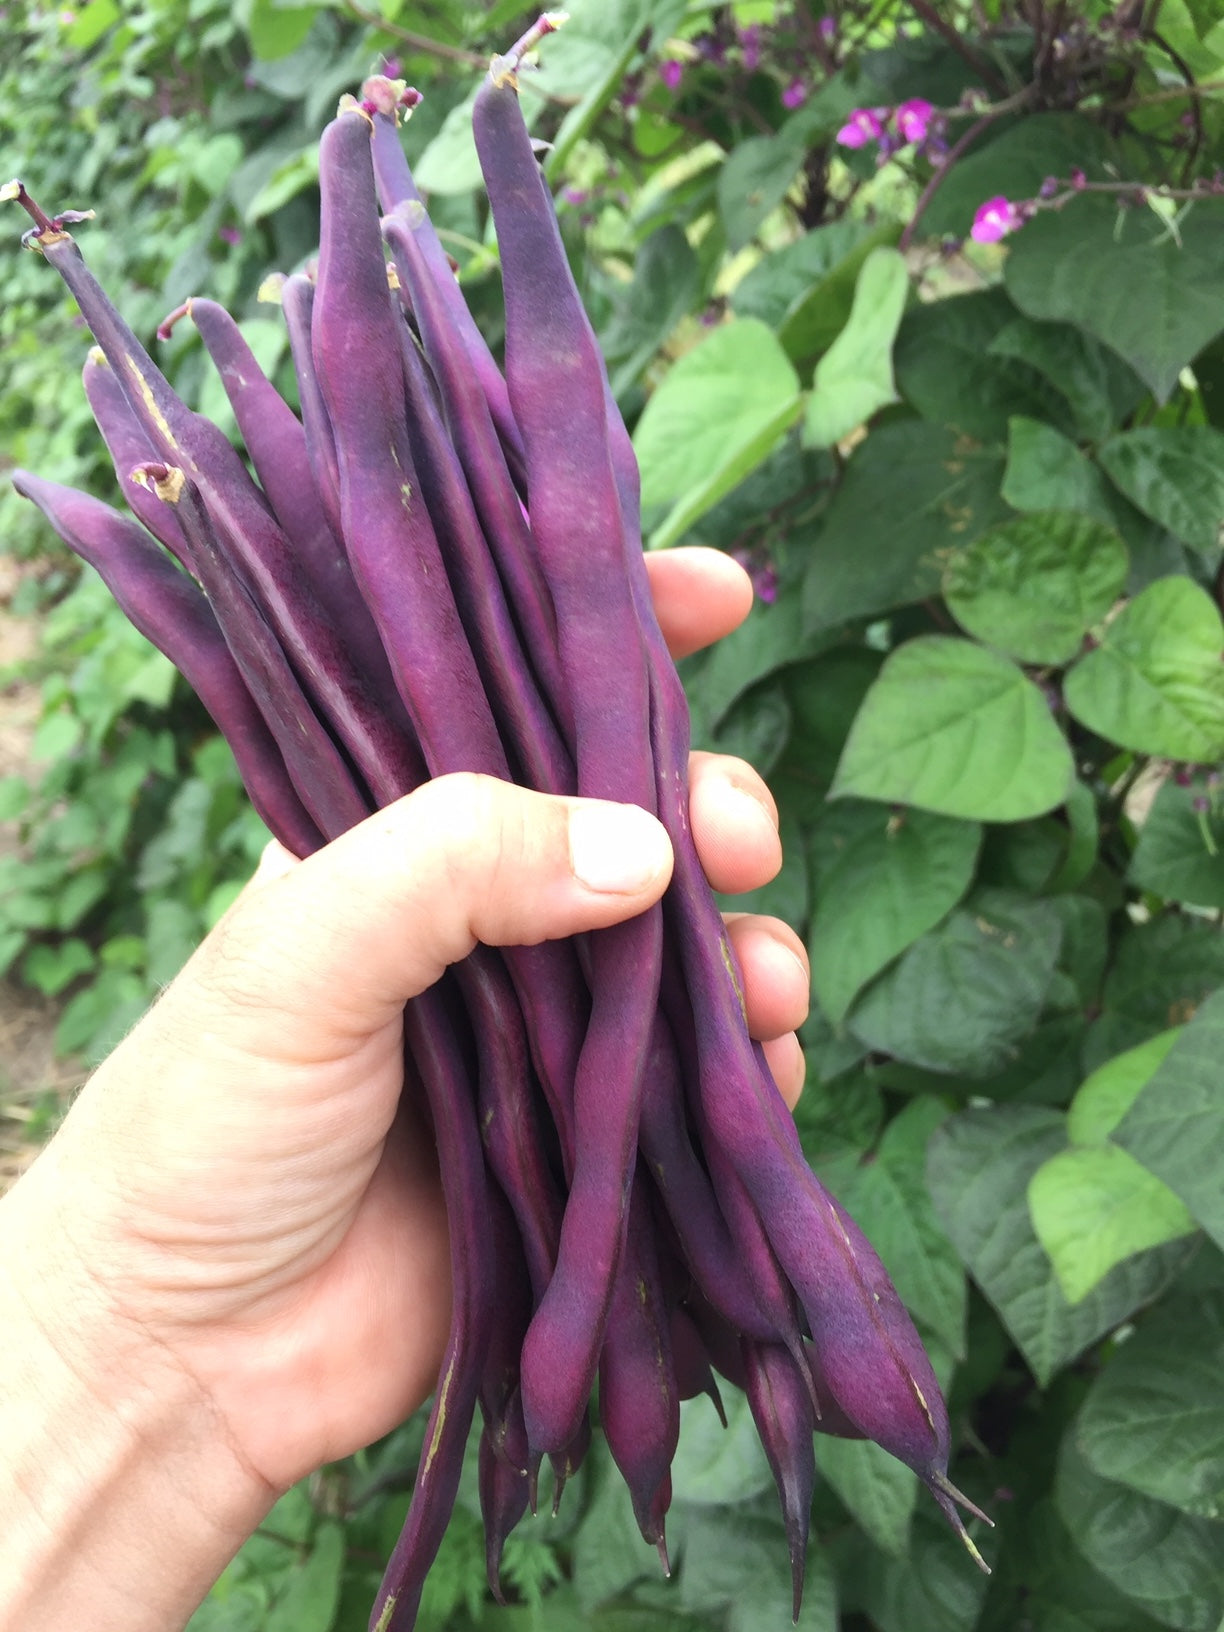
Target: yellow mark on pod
(724, 947)
(271, 290)
(146, 392)
(348, 103)
(388, 1609)
(168, 488)
(97, 357)
(392, 276)
(443, 1392)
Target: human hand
(240, 1191)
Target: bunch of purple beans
(439, 568)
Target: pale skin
(230, 1265)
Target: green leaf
(854, 378)
(879, 1491)
(1014, 160)
(91, 23)
(888, 887)
(979, 1166)
(954, 728)
(1176, 1125)
(1180, 854)
(1173, 474)
(812, 322)
(1154, 1418)
(1056, 1589)
(1103, 1099)
(755, 178)
(933, 1590)
(666, 285)
(1094, 1207)
(52, 968)
(309, 1601)
(783, 280)
(1156, 683)
(910, 493)
(1161, 972)
(825, 694)
(1164, 1560)
(1099, 386)
(947, 371)
(717, 1465)
(888, 1199)
(713, 418)
(1122, 277)
(964, 996)
(275, 30)
(735, 1570)
(1035, 586)
(291, 177)
(1047, 471)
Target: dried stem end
(47, 229)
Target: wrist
(120, 1499)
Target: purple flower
(750, 44)
(994, 220)
(229, 235)
(913, 119)
(671, 73)
(827, 28)
(795, 94)
(862, 127)
(574, 195)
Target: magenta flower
(795, 94)
(862, 127)
(750, 44)
(671, 73)
(994, 220)
(229, 235)
(913, 119)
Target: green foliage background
(983, 488)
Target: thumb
(315, 956)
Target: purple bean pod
(170, 610)
(129, 446)
(554, 378)
(297, 308)
(780, 1400)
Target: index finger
(700, 595)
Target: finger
(734, 823)
(784, 1056)
(700, 595)
(774, 965)
(332, 950)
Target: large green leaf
(1053, 1587)
(1047, 471)
(879, 1491)
(854, 378)
(979, 1166)
(1093, 1207)
(782, 280)
(1176, 1125)
(964, 996)
(824, 694)
(666, 285)
(935, 1589)
(1035, 586)
(813, 320)
(1014, 159)
(755, 178)
(909, 494)
(1161, 972)
(1103, 1099)
(1175, 474)
(1167, 1561)
(735, 1571)
(1180, 854)
(1156, 683)
(713, 418)
(948, 372)
(1099, 386)
(1154, 1418)
(714, 1464)
(952, 727)
(1123, 277)
(887, 1197)
(891, 884)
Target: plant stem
(931, 17)
(957, 149)
(418, 42)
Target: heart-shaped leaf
(952, 727)
(1156, 683)
(1035, 586)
